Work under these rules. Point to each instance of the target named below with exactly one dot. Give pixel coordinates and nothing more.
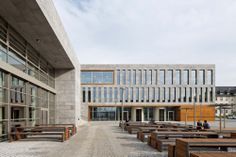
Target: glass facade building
(167, 88)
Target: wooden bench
(213, 154)
(186, 146)
(72, 128)
(15, 136)
(22, 132)
(171, 150)
(163, 139)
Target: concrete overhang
(38, 22)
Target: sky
(153, 32)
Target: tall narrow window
(99, 94)
(211, 94)
(168, 93)
(116, 94)
(154, 81)
(89, 94)
(169, 77)
(178, 77)
(200, 95)
(158, 95)
(129, 77)
(149, 77)
(126, 94)
(118, 77)
(206, 95)
(186, 77)
(121, 94)
(194, 77)
(147, 96)
(145, 77)
(163, 94)
(201, 76)
(190, 95)
(174, 94)
(153, 94)
(134, 77)
(131, 95)
(110, 94)
(137, 94)
(94, 94)
(105, 94)
(140, 76)
(142, 94)
(161, 78)
(179, 94)
(84, 94)
(195, 94)
(124, 77)
(184, 95)
(209, 77)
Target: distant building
(148, 92)
(226, 95)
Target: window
(84, 94)
(140, 76)
(148, 94)
(194, 77)
(158, 94)
(129, 77)
(163, 94)
(195, 94)
(105, 94)
(118, 77)
(89, 94)
(99, 94)
(173, 95)
(200, 95)
(190, 95)
(126, 94)
(145, 77)
(149, 77)
(110, 94)
(161, 78)
(116, 94)
(97, 77)
(209, 77)
(201, 76)
(168, 94)
(124, 77)
(169, 77)
(211, 94)
(134, 77)
(121, 94)
(142, 94)
(185, 77)
(153, 94)
(178, 77)
(131, 95)
(94, 94)
(179, 94)
(155, 77)
(137, 94)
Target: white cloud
(154, 31)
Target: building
(226, 95)
(148, 92)
(39, 72)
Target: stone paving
(96, 139)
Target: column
(133, 114)
(156, 114)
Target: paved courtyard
(96, 139)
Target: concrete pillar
(156, 114)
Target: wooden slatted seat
(186, 146)
(214, 154)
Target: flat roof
(38, 22)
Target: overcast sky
(154, 32)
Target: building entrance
(138, 115)
(161, 114)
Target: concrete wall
(67, 84)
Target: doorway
(126, 115)
(138, 115)
(171, 116)
(161, 114)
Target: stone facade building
(147, 92)
(39, 71)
